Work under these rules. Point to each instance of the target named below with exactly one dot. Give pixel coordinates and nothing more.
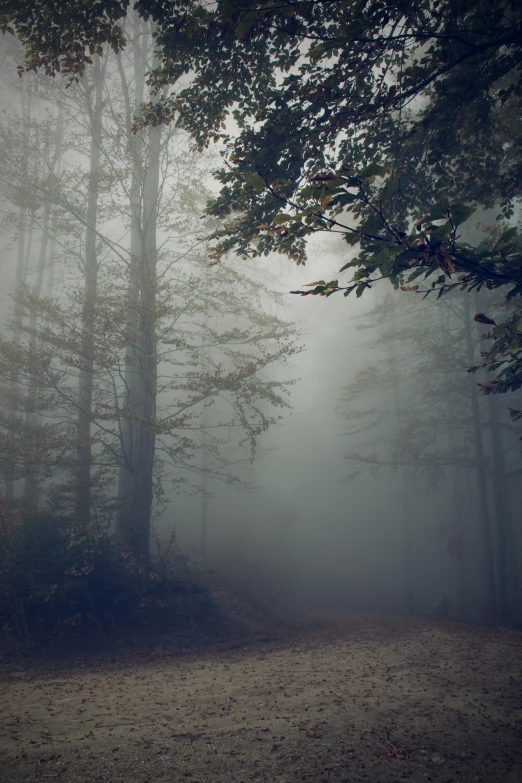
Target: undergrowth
(58, 577)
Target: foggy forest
(260, 391)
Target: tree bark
(486, 546)
(19, 309)
(145, 379)
(130, 401)
(83, 488)
(506, 551)
(31, 477)
(135, 481)
(32, 418)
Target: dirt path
(355, 699)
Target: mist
(315, 508)
(188, 448)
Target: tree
(31, 142)
(352, 117)
(24, 228)
(443, 436)
(120, 349)
(94, 105)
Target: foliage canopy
(386, 122)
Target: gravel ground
(352, 698)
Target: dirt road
(355, 698)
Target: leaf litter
(349, 698)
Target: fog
(364, 494)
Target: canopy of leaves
(383, 121)
(63, 36)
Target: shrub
(54, 574)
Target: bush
(175, 602)
(54, 574)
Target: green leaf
(516, 291)
(506, 238)
(244, 26)
(353, 262)
(416, 273)
(407, 256)
(316, 52)
(343, 198)
(386, 265)
(389, 189)
(228, 9)
(461, 212)
(440, 232)
(373, 224)
(372, 170)
(306, 192)
(255, 180)
(334, 183)
(281, 218)
(439, 210)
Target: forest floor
(356, 698)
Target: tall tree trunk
(32, 467)
(457, 544)
(506, 551)
(408, 555)
(51, 266)
(18, 315)
(131, 400)
(405, 532)
(135, 481)
(32, 418)
(144, 435)
(486, 547)
(407, 551)
(83, 489)
(203, 549)
(21, 251)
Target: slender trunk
(31, 478)
(506, 553)
(488, 567)
(204, 478)
(19, 309)
(458, 546)
(135, 483)
(407, 553)
(51, 267)
(405, 534)
(459, 530)
(50, 278)
(83, 489)
(204, 508)
(32, 419)
(144, 435)
(18, 315)
(130, 401)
